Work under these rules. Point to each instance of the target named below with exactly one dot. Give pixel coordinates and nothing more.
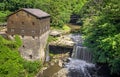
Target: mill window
(33, 32)
(23, 46)
(22, 26)
(33, 23)
(22, 36)
(22, 31)
(11, 22)
(30, 56)
(33, 37)
(12, 35)
(12, 30)
(22, 23)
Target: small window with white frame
(33, 32)
(12, 30)
(22, 31)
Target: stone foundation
(60, 49)
(33, 48)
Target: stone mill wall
(33, 48)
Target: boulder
(62, 73)
(55, 33)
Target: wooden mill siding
(25, 24)
(33, 26)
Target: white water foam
(79, 68)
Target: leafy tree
(9, 60)
(102, 31)
(11, 63)
(60, 10)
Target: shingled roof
(35, 12)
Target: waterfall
(80, 64)
(80, 52)
(80, 68)
(47, 53)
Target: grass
(52, 38)
(66, 28)
(55, 28)
(51, 55)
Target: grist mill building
(33, 26)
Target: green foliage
(52, 55)
(60, 10)
(66, 28)
(18, 41)
(11, 63)
(3, 15)
(101, 30)
(30, 66)
(52, 38)
(9, 60)
(77, 5)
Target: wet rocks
(60, 63)
(63, 41)
(79, 68)
(55, 33)
(62, 73)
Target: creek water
(47, 53)
(50, 71)
(80, 68)
(79, 51)
(80, 64)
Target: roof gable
(35, 12)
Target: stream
(78, 65)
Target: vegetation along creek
(78, 64)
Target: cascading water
(80, 68)
(80, 52)
(78, 65)
(47, 53)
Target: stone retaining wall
(60, 49)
